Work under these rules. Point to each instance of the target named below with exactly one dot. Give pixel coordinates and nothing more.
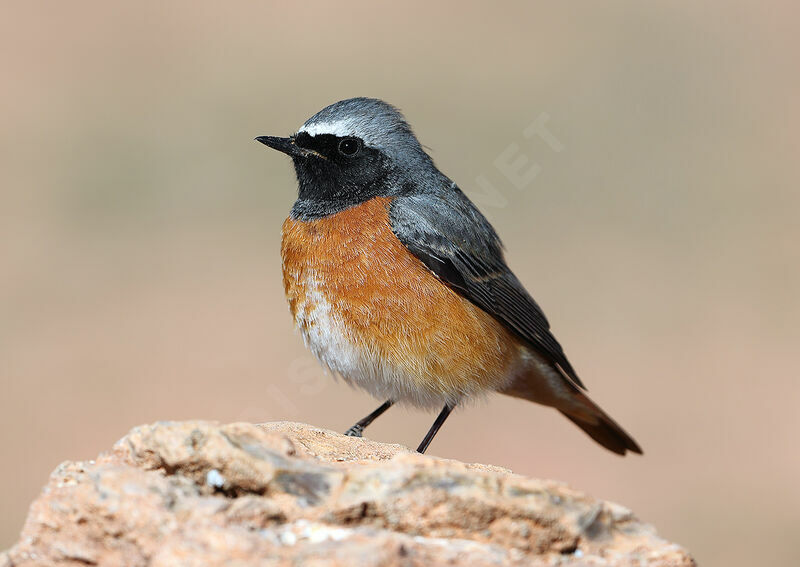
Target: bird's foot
(355, 431)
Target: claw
(354, 431)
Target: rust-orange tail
(551, 390)
(599, 426)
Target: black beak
(285, 145)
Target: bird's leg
(434, 428)
(359, 427)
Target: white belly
(358, 364)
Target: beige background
(139, 228)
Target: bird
(399, 285)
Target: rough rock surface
(199, 493)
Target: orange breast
(372, 312)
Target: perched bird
(398, 283)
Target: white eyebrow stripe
(340, 128)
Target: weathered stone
(199, 493)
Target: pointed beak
(285, 145)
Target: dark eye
(349, 146)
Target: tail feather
(606, 431)
(552, 389)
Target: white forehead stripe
(340, 128)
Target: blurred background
(656, 222)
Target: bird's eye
(349, 146)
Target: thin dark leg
(359, 427)
(434, 429)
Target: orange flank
(350, 273)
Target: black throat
(323, 191)
(330, 182)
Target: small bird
(398, 284)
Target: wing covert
(451, 237)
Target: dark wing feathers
(448, 234)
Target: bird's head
(352, 151)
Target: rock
(199, 493)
